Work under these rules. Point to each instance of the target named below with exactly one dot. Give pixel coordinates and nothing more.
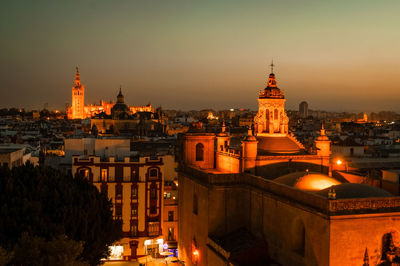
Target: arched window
(199, 152)
(153, 173)
(276, 114)
(267, 114)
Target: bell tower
(271, 118)
(78, 97)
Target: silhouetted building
(303, 109)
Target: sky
(336, 55)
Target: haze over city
(338, 56)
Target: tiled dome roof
(353, 190)
(277, 145)
(308, 181)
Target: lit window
(116, 252)
(134, 229)
(104, 175)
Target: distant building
(121, 120)
(303, 109)
(11, 157)
(78, 98)
(78, 109)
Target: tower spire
(272, 66)
(77, 77)
(366, 258)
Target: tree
(58, 251)
(39, 202)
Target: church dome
(312, 181)
(354, 190)
(282, 145)
(120, 108)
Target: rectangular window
(170, 216)
(118, 191)
(104, 175)
(154, 228)
(134, 210)
(119, 173)
(134, 192)
(153, 209)
(118, 211)
(153, 193)
(135, 175)
(134, 228)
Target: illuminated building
(121, 120)
(78, 109)
(265, 199)
(135, 184)
(78, 98)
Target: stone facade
(229, 189)
(300, 228)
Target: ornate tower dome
(271, 117)
(120, 109)
(271, 91)
(271, 121)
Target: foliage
(58, 251)
(38, 202)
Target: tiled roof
(277, 145)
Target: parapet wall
(321, 204)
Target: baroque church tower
(271, 119)
(78, 98)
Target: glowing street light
(339, 162)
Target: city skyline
(337, 56)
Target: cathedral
(78, 109)
(263, 199)
(121, 120)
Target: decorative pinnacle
(366, 258)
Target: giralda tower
(78, 98)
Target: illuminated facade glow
(78, 109)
